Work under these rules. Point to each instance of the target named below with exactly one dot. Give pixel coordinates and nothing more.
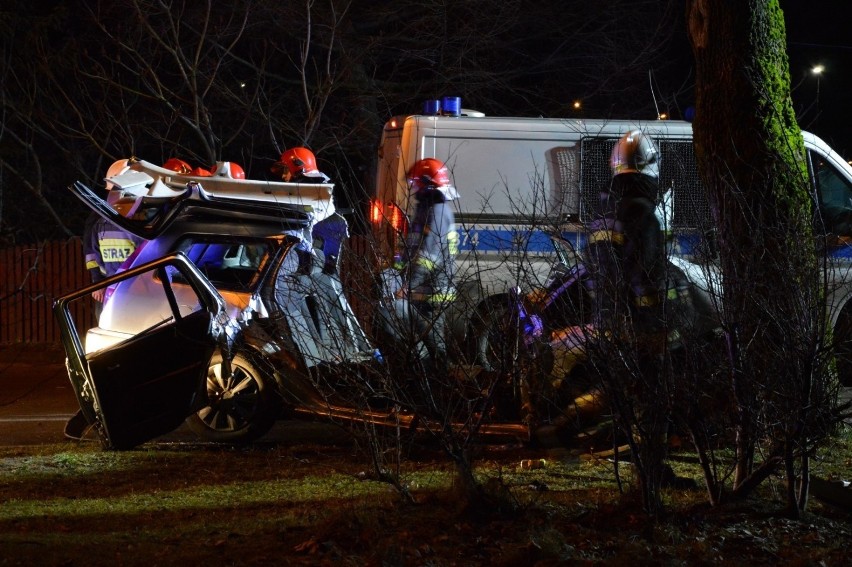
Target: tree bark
(751, 157)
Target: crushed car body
(229, 259)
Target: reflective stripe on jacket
(432, 246)
(106, 247)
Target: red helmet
(178, 166)
(296, 161)
(426, 173)
(237, 172)
(228, 169)
(201, 172)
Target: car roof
(195, 207)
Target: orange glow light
(376, 212)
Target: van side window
(835, 195)
(678, 173)
(564, 169)
(594, 173)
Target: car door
(145, 384)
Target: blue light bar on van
(432, 107)
(451, 106)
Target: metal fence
(32, 277)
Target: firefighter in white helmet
(626, 251)
(641, 300)
(106, 247)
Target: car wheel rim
(233, 400)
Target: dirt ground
(308, 497)
(316, 503)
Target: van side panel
(519, 176)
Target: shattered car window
(229, 264)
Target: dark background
(87, 82)
(818, 33)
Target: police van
(522, 180)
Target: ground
(307, 496)
(315, 503)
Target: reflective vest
(431, 248)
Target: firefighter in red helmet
(299, 165)
(429, 262)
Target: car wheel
(241, 408)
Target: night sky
(818, 33)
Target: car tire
(241, 409)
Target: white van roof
(495, 124)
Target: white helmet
(635, 153)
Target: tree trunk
(751, 157)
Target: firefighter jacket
(626, 256)
(106, 247)
(431, 248)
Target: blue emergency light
(447, 106)
(432, 107)
(451, 106)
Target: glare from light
(817, 69)
(663, 116)
(577, 105)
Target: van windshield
(835, 194)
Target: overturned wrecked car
(220, 286)
(225, 320)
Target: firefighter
(299, 165)
(626, 250)
(641, 301)
(107, 247)
(429, 262)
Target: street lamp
(817, 71)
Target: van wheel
(241, 408)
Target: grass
(170, 504)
